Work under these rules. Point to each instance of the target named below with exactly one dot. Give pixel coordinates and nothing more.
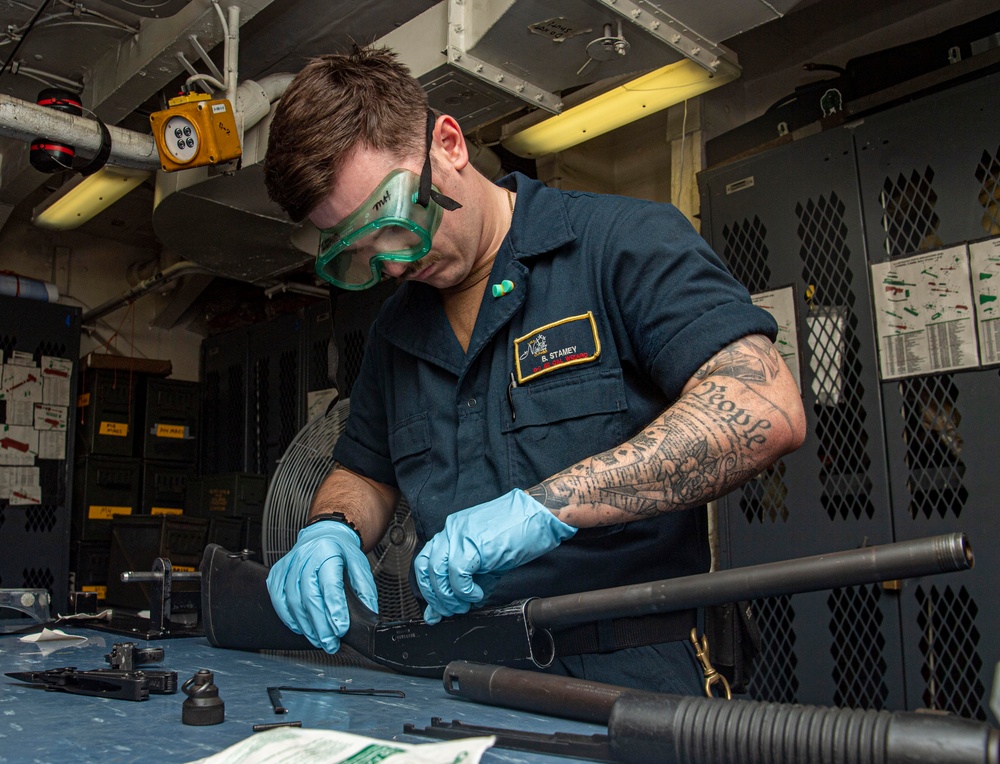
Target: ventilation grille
(774, 673)
(834, 362)
(350, 359)
(908, 215)
(764, 497)
(933, 456)
(7, 344)
(232, 431)
(40, 519)
(38, 578)
(319, 372)
(261, 425)
(858, 647)
(988, 175)
(949, 642)
(288, 400)
(745, 252)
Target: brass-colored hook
(712, 677)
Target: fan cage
(299, 472)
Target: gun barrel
(534, 691)
(902, 559)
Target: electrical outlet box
(195, 131)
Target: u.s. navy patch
(565, 342)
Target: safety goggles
(396, 224)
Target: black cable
(31, 25)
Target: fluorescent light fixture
(82, 198)
(626, 103)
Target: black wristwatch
(337, 517)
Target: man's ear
(449, 139)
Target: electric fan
(298, 475)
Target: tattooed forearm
(714, 438)
(752, 359)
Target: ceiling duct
(479, 60)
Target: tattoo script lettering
(710, 441)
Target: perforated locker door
(791, 216)
(930, 177)
(224, 386)
(276, 399)
(35, 538)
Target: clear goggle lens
(388, 227)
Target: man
(558, 379)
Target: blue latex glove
(307, 584)
(480, 542)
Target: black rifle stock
(237, 610)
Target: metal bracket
(459, 57)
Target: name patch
(566, 342)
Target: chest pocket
(561, 420)
(409, 447)
(565, 419)
(568, 397)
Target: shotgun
(237, 611)
(674, 729)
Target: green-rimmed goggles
(396, 224)
(389, 226)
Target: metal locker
(930, 178)
(792, 217)
(35, 538)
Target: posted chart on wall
(984, 260)
(925, 314)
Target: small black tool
(568, 744)
(103, 683)
(274, 726)
(274, 694)
(203, 706)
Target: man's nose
(394, 269)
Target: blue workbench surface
(38, 726)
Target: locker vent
(233, 422)
(933, 446)
(40, 519)
(262, 370)
(948, 644)
(774, 672)
(57, 349)
(38, 578)
(210, 418)
(353, 350)
(7, 345)
(858, 647)
(745, 253)
(908, 217)
(288, 397)
(764, 496)
(988, 174)
(834, 359)
(319, 372)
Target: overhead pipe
(25, 121)
(175, 271)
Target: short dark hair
(336, 103)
